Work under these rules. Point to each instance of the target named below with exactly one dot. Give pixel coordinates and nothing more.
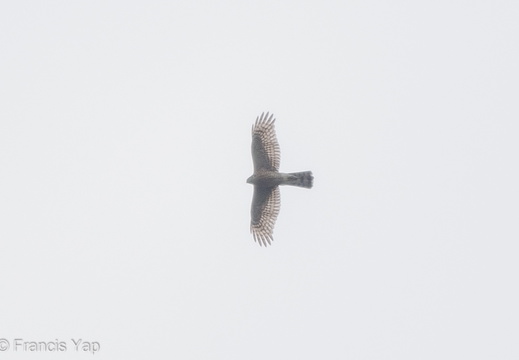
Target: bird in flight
(267, 178)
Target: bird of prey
(267, 178)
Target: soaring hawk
(266, 179)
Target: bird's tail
(302, 179)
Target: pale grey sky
(125, 146)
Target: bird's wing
(264, 212)
(265, 147)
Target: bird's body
(266, 179)
(273, 178)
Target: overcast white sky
(125, 146)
